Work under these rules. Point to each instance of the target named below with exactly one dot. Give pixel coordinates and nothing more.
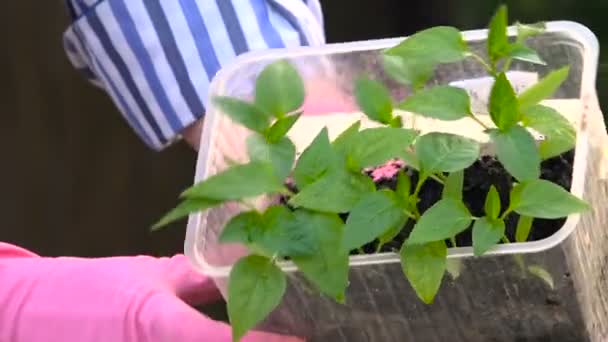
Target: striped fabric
(156, 58)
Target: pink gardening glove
(323, 96)
(120, 299)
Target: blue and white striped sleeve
(156, 58)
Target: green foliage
(256, 287)
(328, 267)
(504, 108)
(279, 90)
(441, 102)
(443, 220)
(335, 192)
(452, 188)
(375, 214)
(522, 231)
(559, 134)
(486, 233)
(317, 159)
(543, 89)
(498, 42)
(376, 146)
(281, 154)
(492, 204)
(444, 152)
(543, 199)
(517, 151)
(331, 181)
(424, 266)
(243, 113)
(374, 100)
(235, 183)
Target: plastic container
(490, 299)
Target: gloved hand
(118, 299)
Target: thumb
(189, 285)
(169, 319)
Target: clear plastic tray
(375, 312)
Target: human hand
(118, 299)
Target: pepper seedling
(336, 209)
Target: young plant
(330, 184)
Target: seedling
(334, 208)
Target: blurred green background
(76, 181)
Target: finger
(189, 285)
(169, 319)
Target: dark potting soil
(478, 178)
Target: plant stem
(453, 241)
(421, 180)
(481, 61)
(379, 247)
(360, 250)
(505, 239)
(472, 116)
(507, 65)
(438, 179)
(410, 215)
(504, 215)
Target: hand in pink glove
(120, 299)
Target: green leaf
(524, 53)
(498, 41)
(559, 134)
(242, 181)
(184, 209)
(525, 31)
(441, 44)
(374, 214)
(335, 192)
(374, 100)
(376, 146)
(542, 199)
(280, 128)
(486, 234)
(445, 152)
(255, 288)
(424, 266)
(453, 185)
(241, 226)
(440, 102)
(279, 89)
(396, 122)
(410, 158)
(243, 113)
(524, 225)
(543, 274)
(282, 235)
(408, 71)
(503, 103)
(281, 154)
(392, 233)
(315, 161)
(343, 141)
(443, 220)
(517, 151)
(404, 187)
(492, 204)
(543, 89)
(327, 268)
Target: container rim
(577, 31)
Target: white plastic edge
(577, 31)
